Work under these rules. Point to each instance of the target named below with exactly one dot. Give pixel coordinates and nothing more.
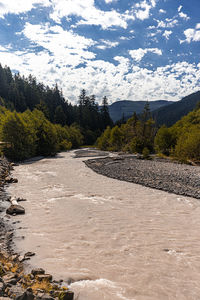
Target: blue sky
(122, 49)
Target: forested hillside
(140, 135)
(125, 109)
(34, 104)
(170, 114)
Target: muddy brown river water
(118, 239)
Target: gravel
(180, 179)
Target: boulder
(47, 277)
(10, 279)
(37, 271)
(15, 210)
(44, 297)
(11, 180)
(1, 288)
(66, 295)
(25, 296)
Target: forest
(141, 135)
(37, 120)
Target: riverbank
(15, 283)
(161, 174)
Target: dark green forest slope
(126, 108)
(33, 115)
(170, 114)
(140, 135)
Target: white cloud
(162, 11)
(179, 8)
(167, 34)
(192, 35)
(110, 1)
(19, 6)
(89, 13)
(184, 16)
(67, 48)
(138, 54)
(168, 23)
(107, 44)
(143, 9)
(104, 78)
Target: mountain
(170, 114)
(126, 108)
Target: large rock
(47, 277)
(25, 296)
(37, 271)
(15, 210)
(1, 288)
(66, 295)
(10, 278)
(44, 297)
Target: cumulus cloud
(18, 6)
(192, 35)
(168, 23)
(104, 44)
(162, 11)
(167, 34)
(138, 54)
(184, 16)
(143, 9)
(89, 14)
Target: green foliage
(145, 152)
(20, 136)
(103, 140)
(132, 137)
(30, 133)
(188, 144)
(164, 140)
(115, 140)
(182, 140)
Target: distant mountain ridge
(126, 108)
(172, 113)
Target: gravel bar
(180, 179)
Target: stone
(29, 254)
(11, 180)
(21, 199)
(41, 277)
(37, 271)
(1, 288)
(25, 296)
(2, 270)
(16, 291)
(66, 295)
(15, 209)
(44, 297)
(10, 278)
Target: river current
(112, 239)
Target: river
(114, 239)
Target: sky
(122, 49)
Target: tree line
(37, 120)
(141, 135)
(20, 93)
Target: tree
(20, 136)
(164, 140)
(105, 116)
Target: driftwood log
(15, 208)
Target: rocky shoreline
(14, 282)
(161, 174)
